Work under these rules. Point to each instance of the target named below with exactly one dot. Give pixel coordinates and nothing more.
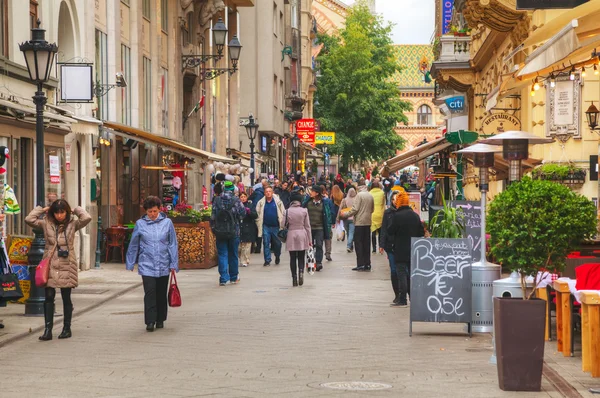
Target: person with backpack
(271, 218)
(227, 214)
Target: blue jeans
(270, 238)
(390, 256)
(227, 250)
(349, 227)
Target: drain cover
(356, 386)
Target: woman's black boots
(66, 332)
(49, 321)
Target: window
(424, 116)
(146, 9)
(147, 91)
(281, 105)
(281, 25)
(102, 71)
(275, 19)
(33, 14)
(126, 92)
(275, 90)
(188, 33)
(3, 28)
(295, 14)
(164, 15)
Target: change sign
(325, 138)
(306, 130)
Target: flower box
(197, 244)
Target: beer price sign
(306, 130)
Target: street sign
(440, 281)
(244, 121)
(325, 138)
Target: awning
(28, 113)
(87, 125)
(416, 155)
(167, 143)
(587, 15)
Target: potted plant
(184, 213)
(448, 222)
(567, 174)
(533, 225)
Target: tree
(356, 97)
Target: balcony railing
(452, 48)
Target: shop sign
(54, 169)
(563, 112)
(497, 123)
(307, 137)
(325, 138)
(68, 157)
(306, 130)
(447, 6)
(456, 104)
(548, 4)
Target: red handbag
(42, 272)
(174, 296)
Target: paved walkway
(261, 338)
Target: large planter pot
(197, 244)
(519, 332)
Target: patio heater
(483, 272)
(515, 149)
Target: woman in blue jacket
(153, 247)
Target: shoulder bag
(174, 296)
(283, 233)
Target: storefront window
(55, 177)
(19, 178)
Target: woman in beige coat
(59, 228)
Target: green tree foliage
(356, 97)
(534, 224)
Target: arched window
(424, 116)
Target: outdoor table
(542, 293)
(590, 332)
(563, 316)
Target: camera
(63, 252)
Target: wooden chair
(115, 237)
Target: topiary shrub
(534, 224)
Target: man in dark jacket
(320, 221)
(284, 194)
(386, 242)
(258, 192)
(406, 224)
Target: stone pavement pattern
(261, 338)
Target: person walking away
(319, 218)
(59, 228)
(284, 194)
(299, 237)
(347, 203)
(337, 196)
(329, 204)
(386, 243)
(271, 214)
(406, 224)
(227, 214)
(379, 208)
(153, 247)
(248, 230)
(362, 211)
(258, 192)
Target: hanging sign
(68, 157)
(54, 169)
(548, 4)
(497, 123)
(447, 6)
(306, 130)
(563, 113)
(325, 138)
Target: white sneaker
(244, 265)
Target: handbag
(42, 273)
(174, 296)
(283, 233)
(10, 289)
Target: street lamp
(325, 161)
(295, 144)
(39, 57)
(251, 130)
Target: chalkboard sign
(440, 281)
(472, 212)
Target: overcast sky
(414, 19)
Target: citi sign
(456, 104)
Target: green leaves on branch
(448, 222)
(534, 224)
(356, 97)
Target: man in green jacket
(319, 215)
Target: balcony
(452, 48)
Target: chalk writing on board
(440, 262)
(472, 219)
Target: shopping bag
(310, 260)
(340, 231)
(174, 294)
(9, 287)
(42, 273)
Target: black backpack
(225, 222)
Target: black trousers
(155, 298)
(65, 293)
(318, 236)
(362, 244)
(374, 235)
(403, 272)
(297, 259)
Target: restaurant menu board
(472, 212)
(440, 281)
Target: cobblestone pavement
(261, 338)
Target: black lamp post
(325, 161)
(295, 144)
(39, 57)
(251, 130)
